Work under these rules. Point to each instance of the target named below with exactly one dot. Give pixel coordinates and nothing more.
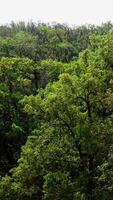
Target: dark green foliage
(56, 112)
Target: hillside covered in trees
(56, 112)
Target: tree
(62, 114)
(16, 79)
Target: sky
(72, 12)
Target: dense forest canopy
(56, 112)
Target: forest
(56, 111)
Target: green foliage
(56, 112)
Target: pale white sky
(64, 11)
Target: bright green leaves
(5, 188)
(64, 113)
(16, 80)
(16, 73)
(73, 128)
